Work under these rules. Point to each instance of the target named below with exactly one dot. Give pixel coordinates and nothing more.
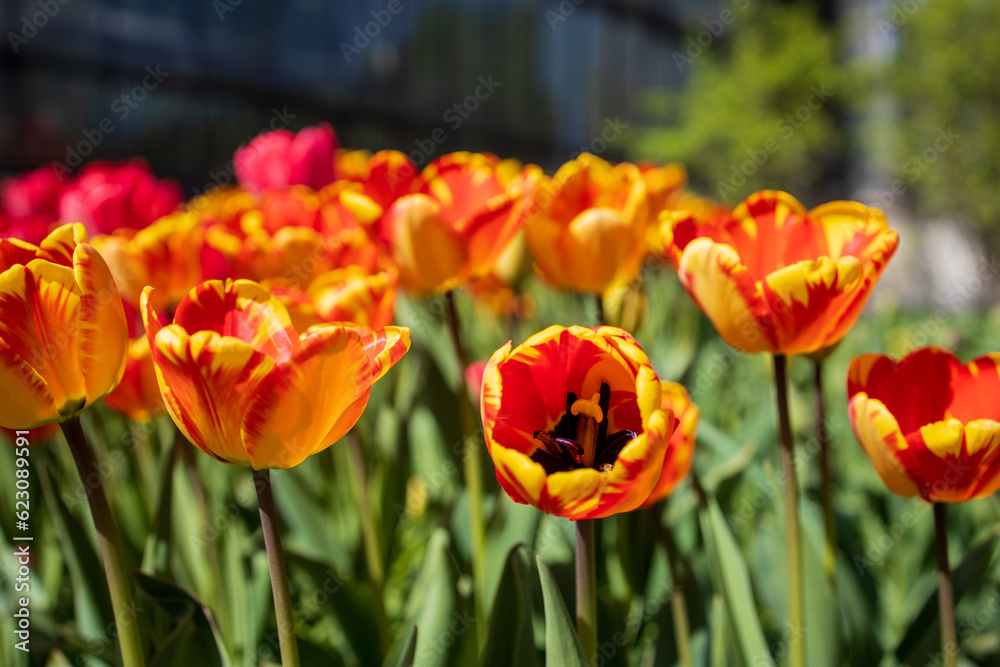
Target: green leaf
(731, 578)
(402, 652)
(194, 639)
(562, 645)
(509, 640)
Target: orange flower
(590, 229)
(246, 388)
(383, 177)
(573, 421)
(680, 449)
(454, 229)
(342, 295)
(929, 424)
(63, 333)
(664, 185)
(773, 277)
(170, 254)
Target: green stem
(601, 318)
(276, 564)
(825, 479)
(678, 606)
(369, 533)
(792, 530)
(946, 595)
(126, 616)
(586, 588)
(473, 474)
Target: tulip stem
(678, 606)
(946, 595)
(586, 588)
(276, 564)
(123, 605)
(792, 531)
(601, 319)
(825, 478)
(473, 474)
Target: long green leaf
(562, 645)
(509, 640)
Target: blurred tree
(760, 109)
(944, 83)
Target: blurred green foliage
(944, 78)
(759, 107)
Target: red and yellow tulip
(574, 423)
(342, 295)
(774, 277)
(589, 228)
(929, 424)
(63, 335)
(246, 388)
(680, 449)
(456, 227)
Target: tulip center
(580, 439)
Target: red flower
(929, 424)
(281, 158)
(107, 196)
(29, 204)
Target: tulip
(281, 158)
(384, 177)
(109, 196)
(776, 278)
(680, 449)
(63, 339)
(244, 387)
(63, 335)
(574, 423)
(29, 204)
(929, 424)
(590, 228)
(342, 295)
(456, 227)
(931, 427)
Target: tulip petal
(39, 315)
(241, 309)
(726, 292)
(384, 347)
(27, 400)
(880, 436)
(522, 478)
(207, 382)
(103, 336)
(310, 401)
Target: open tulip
(456, 227)
(929, 424)
(246, 388)
(63, 335)
(680, 449)
(590, 227)
(574, 423)
(281, 158)
(774, 277)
